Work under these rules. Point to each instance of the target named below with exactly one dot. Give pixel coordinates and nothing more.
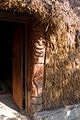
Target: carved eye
(44, 42)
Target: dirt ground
(9, 110)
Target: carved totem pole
(38, 67)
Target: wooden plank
(14, 17)
(28, 66)
(26, 86)
(18, 66)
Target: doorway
(16, 57)
(6, 30)
(11, 61)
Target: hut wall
(62, 69)
(61, 19)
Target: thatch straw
(61, 22)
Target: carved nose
(40, 43)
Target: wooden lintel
(14, 17)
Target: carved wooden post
(38, 68)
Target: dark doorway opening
(6, 34)
(11, 65)
(15, 58)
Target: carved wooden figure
(38, 68)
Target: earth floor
(9, 110)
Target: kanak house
(40, 53)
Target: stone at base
(67, 113)
(36, 107)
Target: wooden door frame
(7, 16)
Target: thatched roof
(56, 13)
(47, 9)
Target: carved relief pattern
(39, 50)
(38, 68)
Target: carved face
(39, 47)
(40, 43)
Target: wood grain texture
(18, 66)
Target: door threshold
(8, 100)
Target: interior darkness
(6, 34)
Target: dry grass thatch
(61, 22)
